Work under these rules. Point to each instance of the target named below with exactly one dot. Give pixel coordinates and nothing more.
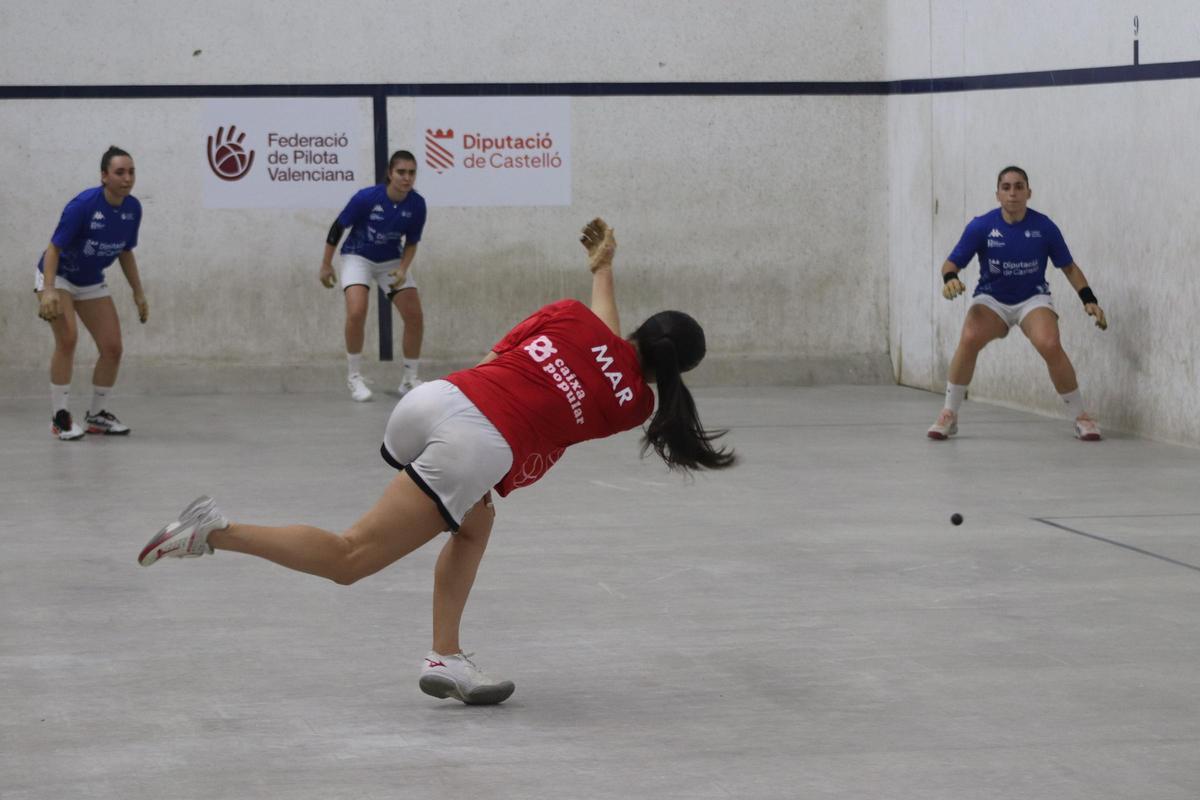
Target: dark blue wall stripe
(968, 83)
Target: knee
(973, 340)
(1049, 346)
(111, 351)
(356, 317)
(345, 578)
(65, 342)
(413, 317)
(346, 572)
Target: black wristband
(1088, 296)
(335, 234)
(949, 276)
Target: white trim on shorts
(359, 271)
(1014, 314)
(447, 446)
(93, 292)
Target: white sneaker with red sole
(945, 427)
(186, 537)
(1086, 429)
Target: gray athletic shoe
(457, 676)
(186, 537)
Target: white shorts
(93, 292)
(447, 446)
(358, 271)
(1014, 314)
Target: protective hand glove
(600, 242)
(1096, 311)
(49, 307)
(952, 288)
(328, 279)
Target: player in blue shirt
(1013, 244)
(385, 225)
(98, 226)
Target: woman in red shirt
(562, 376)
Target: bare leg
(455, 573)
(402, 520)
(408, 303)
(981, 326)
(100, 318)
(66, 335)
(357, 301)
(1041, 326)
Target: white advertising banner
(273, 152)
(494, 151)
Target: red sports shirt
(560, 377)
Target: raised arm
(601, 244)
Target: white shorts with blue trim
(93, 292)
(1014, 314)
(447, 446)
(357, 270)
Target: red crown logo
(437, 156)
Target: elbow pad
(335, 234)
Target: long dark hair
(670, 343)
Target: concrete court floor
(808, 625)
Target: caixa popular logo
(437, 153)
(227, 157)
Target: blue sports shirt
(1012, 258)
(91, 234)
(379, 227)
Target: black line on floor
(1122, 545)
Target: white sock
(99, 395)
(1074, 403)
(58, 397)
(410, 368)
(954, 396)
(354, 363)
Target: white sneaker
(358, 388)
(945, 427)
(1086, 428)
(407, 385)
(187, 536)
(105, 423)
(457, 676)
(64, 427)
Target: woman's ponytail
(671, 343)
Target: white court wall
(746, 211)
(1115, 166)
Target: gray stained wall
(805, 232)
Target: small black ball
(956, 519)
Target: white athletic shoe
(358, 388)
(407, 385)
(1086, 428)
(457, 676)
(64, 427)
(105, 423)
(945, 427)
(187, 536)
